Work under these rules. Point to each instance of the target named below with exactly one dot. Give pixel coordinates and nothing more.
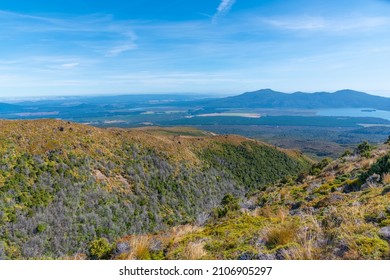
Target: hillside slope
(64, 186)
(339, 210)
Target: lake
(354, 112)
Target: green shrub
(381, 166)
(100, 248)
(346, 153)
(228, 203)
(372, 248)
(363, 149)
(41, 227)
(316, 168)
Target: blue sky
(73, 47)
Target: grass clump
(281, 235)
(140, 248)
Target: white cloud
(109, 37)
(125, 46)
(358, 23)
(69, 65)
(223, 8)
(117, 50)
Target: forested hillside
(338, 210)
(68, 189)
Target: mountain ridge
(268, 98)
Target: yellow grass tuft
(140, 248)
(194, 251)
(386, 178)
(280, 235)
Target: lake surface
(354, 112)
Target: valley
(179, 177)
(293, 121)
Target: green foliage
(228, 204)
(100, 248)
(346, 153)
(254, 165)
(364, 149)
(372, 248)
(230, 237)
(381, 166)
(318, 167)
(230, 201)
(41, 228)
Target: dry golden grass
(307, 238)
(77, 257)
(177, 233)
(265, 211)
(194, 251)
(140, 248)
(258, 212)
(280, 234)
(386, 178)
(140, 245)
(366, 164)
(346, 169)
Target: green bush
(318, 167)
(364, 149)
(100, 248)
(41, 227)
(381, 166)
(228, 203)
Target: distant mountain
(267, 98)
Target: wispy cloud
(223, 8)
(69, 65)
(123, 46)
(117, 50)
(100, 33)
(358, 23)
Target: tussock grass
(281, 234)
(386, 178)
(194, 251)
(140, 248)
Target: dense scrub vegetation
(337, 210)
(73, 190)
(247, 165)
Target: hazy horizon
(219, 47)
(21, 98)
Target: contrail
(223, 8)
